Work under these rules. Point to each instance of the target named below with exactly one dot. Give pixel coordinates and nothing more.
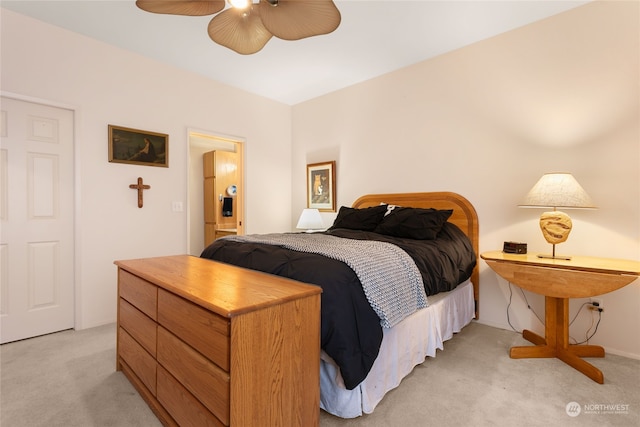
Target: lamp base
(554, 256)
(548, 256)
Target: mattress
(403, 347)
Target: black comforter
(351, 333)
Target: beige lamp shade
(557, 190)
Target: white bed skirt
(403, 347)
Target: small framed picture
(138, 147)
(321, 186)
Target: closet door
(37, 196)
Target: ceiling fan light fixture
(239, 30)
(299, 19)
(240, 4)
(248, 25)
(182, 7)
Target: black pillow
(365, 219)
(414, 223)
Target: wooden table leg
(571, 359)
(587, 350)
(556, 341)
(541, 349)
(534, 338)
(537, 351)
(544, 347)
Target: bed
(369, 344)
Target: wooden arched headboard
(464, 216)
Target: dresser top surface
(222, 288)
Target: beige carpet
(69, 379)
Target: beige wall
(106, 85)
(487, 121)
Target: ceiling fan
(247, 27)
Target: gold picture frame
(138, 147)
(321, 186)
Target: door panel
(36, 251)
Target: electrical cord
(587, 336)
(579, 310)
(528, 306)
(508, 306)
(584, 304)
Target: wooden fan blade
(182, 7)
(297, 19)
(239, 30)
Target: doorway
(201, 142)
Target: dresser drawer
(203, 330)
(183, 407)
(206, 381)
(139, 326)
(140, 293)
(141, 362)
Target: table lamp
(310, 220)
(556, 190)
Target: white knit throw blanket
(391, 281)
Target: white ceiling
(374, 38)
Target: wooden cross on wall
(140, 187)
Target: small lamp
(310, 220)
(556, 190)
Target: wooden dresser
(210, 344)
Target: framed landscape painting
(138, 147)
(321, 186)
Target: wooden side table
(560, 280)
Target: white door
(36, 206)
